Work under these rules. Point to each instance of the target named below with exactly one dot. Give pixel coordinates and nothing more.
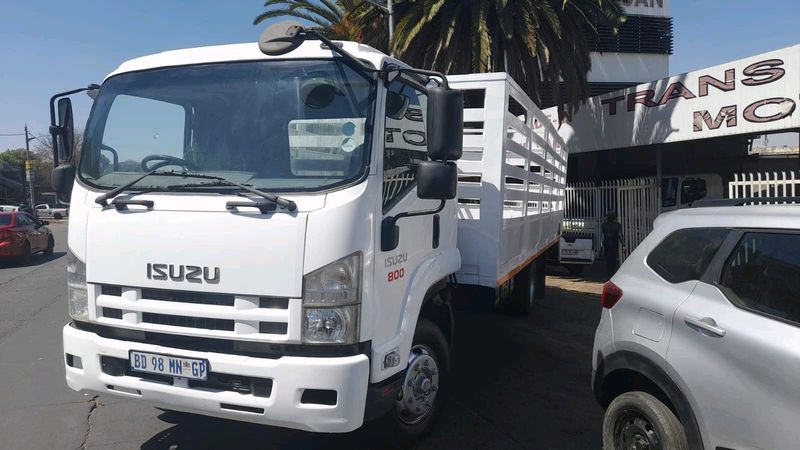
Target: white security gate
(636, 202)
(767, 184)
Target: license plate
(173, 366)
(567, 251)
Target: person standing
(612, 238)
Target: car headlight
(331, 299)
(76, 288)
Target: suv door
(735, 346)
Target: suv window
(406, 144)
(685, 254)
(763, 275)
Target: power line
(12, 134)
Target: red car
(22, 235)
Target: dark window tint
(693, 189)
(685, 254)
(763, 274)
(405, 141)
(5, 219)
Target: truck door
(735, 345)
(405, 146)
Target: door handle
(705, 324)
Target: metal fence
(767, 184)
(636, 202)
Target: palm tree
(335, 17)
(543, 44)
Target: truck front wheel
(424, 386)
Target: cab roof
(247, 52)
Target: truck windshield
(297, 125)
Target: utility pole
(388, 9)
(29, 166)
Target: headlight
(331, 297)
(76, 288)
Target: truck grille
(198, 313)
(191, 322)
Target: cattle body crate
(512, 179)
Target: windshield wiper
(288, 204)
(280, 201)
(103, 199)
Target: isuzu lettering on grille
(192, 274)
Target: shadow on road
(36, 260)
(519, 382)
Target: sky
(53, 46)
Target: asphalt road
(519, 382)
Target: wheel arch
(625, 371)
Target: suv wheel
(639, 421)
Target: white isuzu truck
(274, 232)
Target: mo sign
(750, 96)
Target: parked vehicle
(679, 191)
(22, 235)
(8, 208)
(46, 210)
(697, 341)
(300, 229)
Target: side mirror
(62, 178)
(318, 93)
(396, 105)
(44, 222)
(65, 134)
(445, 130)
(437, 180)
(281, 38)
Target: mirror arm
(55, 129)
(311, 33)
(390, 233)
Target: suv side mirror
(445, 130)
(62, 178)
(436, 180)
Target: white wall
(628, 67)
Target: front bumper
(290, 375)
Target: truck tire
(57, 216)
(424, 387)
(574, 269)
(541, 279)
(520, 302)
(639, 420)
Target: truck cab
(269, 233)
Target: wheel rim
(416, 398)
(633, 431)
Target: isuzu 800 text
(274, 232)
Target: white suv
(698, 344)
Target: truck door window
(763, 275)
(693, 189)
(405, 140)
(138, 127)
(669, 192)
